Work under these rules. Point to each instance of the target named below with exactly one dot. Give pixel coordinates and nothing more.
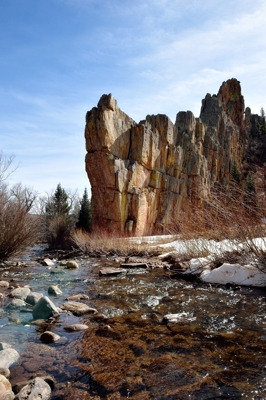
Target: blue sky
(57, 57)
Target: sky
(57, 57)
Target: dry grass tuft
(103, 243)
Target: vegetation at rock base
(59, 218)
(84, 219)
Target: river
(216, 349)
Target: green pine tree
(262, 122)
(58, 205)
(84, 221)
(58, 220)
(235, 173)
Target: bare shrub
(19, 229)
(230, 213)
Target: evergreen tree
(58, 204)
(84, 221)
(235, 174)
(58, 220)
(262, 122)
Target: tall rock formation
(142, 173)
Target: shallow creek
(217, 350)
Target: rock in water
(141, 173)
(54, 290)
(45, 308)
(49, 337)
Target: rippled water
(217, 349)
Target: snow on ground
(227, 273)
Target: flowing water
(215, 350)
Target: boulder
(36, 389)
(45, 308)
(4, 284)
(8, 357)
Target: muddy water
(217, 349)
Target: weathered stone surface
(8, 357)
(45, 308)
(141, 174)
(35, 389)
(5, 382)
(2, 391)
(77, 308)
(4, 284)
(20, 293)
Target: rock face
(142, 173)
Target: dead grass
(102, 243)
